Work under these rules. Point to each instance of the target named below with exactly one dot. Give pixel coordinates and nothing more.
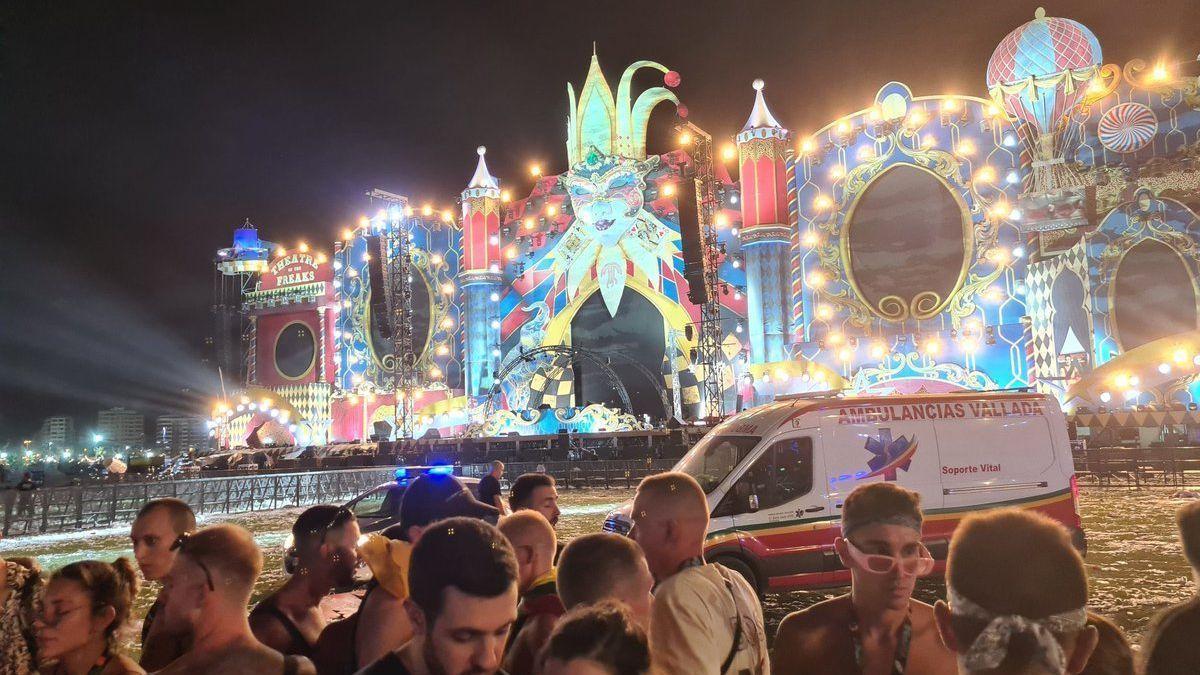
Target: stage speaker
(379, 311)
(693, 242)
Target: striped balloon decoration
(1127, 127)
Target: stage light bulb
(916, 118)
(736, 263)
(280, 252)
(668, 190)
(427, 210)
(685, 138)
(835, 338)
(303, 247)
(1095, 86)
(366, 257)
(447, 323)
(928, 142)
(494, 240)
(408, 210)
(933, 347)
(966, 148)
(529, 223)
(551, 210)
(1018, 252)
(734, 232)
(993, 110)
(510, 253)
(496, 352)
(505, 196)
(495, 323)
(737, 295)
(878, 350)
(447, 288)
(822, 202)
(495, 297)
(535, 170)
(949, 105)
(435, 372)
(722, 220)
(970, 345)
(1105, 397)
(443, 350)
(811, 239)
(1159, 74)
(816, 279)
(846, 353)
(843, 128)
(728, 152)
(837, 171)
(824, 311)
(1180, 356)
(1164, 368)
(865, 152)
(1121, 380)
(321, 259)
(363, 222)
(435, 259)
(347, 234)
(352, 273)
(447, 216)
(806, 146)
(985, 175)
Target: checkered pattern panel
(553, 384)
(689, 385)
(1038, 284)
(311, 401)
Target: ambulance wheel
(743, 568)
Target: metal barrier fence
(1139, 467)
(604, 473)
(86, 507)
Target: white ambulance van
(776, 475)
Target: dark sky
(135, 136)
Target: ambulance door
(781, 513)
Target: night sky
(135, 136)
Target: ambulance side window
(784, 472)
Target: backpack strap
(737, 625)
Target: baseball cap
(434, 496)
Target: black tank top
(300, 644)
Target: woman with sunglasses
(878, 628)
(86, 605)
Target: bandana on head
(991, 645)
(902, 519)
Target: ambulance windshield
(711, 460)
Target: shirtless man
(206, 592)
(323, 545)
(157, 526)
(877, 629)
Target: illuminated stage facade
(1041, 234)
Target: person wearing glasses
(86, 604)
(322, 556)
(206, 593)
(878, 628)
(157, 525)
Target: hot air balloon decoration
(1038, 73)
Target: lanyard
(900, 662)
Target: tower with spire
(480, 277)
(765, 233)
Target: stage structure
(1040, 231)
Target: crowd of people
(451, 593)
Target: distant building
(176, 434)
(122, 426)
(57, 432)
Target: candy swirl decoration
(1127, 127)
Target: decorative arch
(574, 354)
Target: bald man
(206, 593)
(533, 539)
(706, 619)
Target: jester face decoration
(607, 195)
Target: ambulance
(776, 475)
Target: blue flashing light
(442, 469)
(401, 473)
